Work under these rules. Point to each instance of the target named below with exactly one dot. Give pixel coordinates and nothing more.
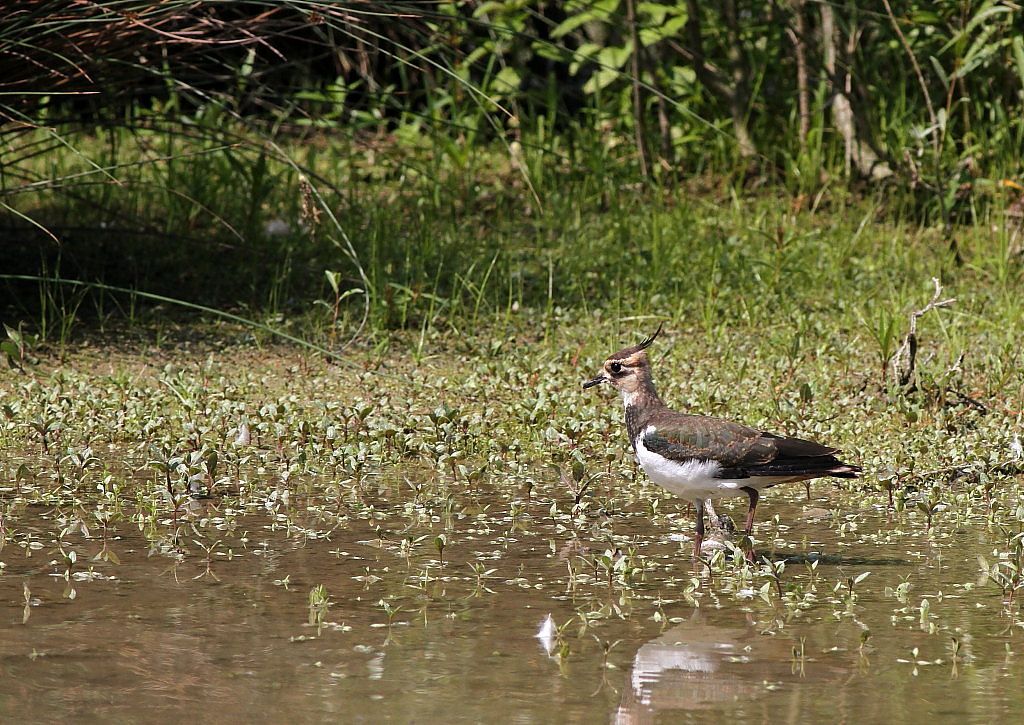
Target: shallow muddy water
(229, 624)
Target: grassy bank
(421, 264)
(426, 234)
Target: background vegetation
(413, 163)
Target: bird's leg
(753, 496)
(698, 538)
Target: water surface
(222, 626)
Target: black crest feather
(647, 343)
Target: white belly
(695, 480)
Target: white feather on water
(546, 634)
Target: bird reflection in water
(700, 666)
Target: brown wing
(743, 451)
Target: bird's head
(628, 369)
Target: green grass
(424, 236)
(405, 241)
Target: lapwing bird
(698, 457)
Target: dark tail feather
(808, 468)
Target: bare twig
(905, 360)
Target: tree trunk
(668, 156)
(739, 99)
(859, 154)
(735, 95)
(798, 35)
(638, 101)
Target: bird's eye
(616, 368)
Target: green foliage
(936, 86)
(443, 241)
(470, 161)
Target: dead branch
(904, 362)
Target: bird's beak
(596, 381)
